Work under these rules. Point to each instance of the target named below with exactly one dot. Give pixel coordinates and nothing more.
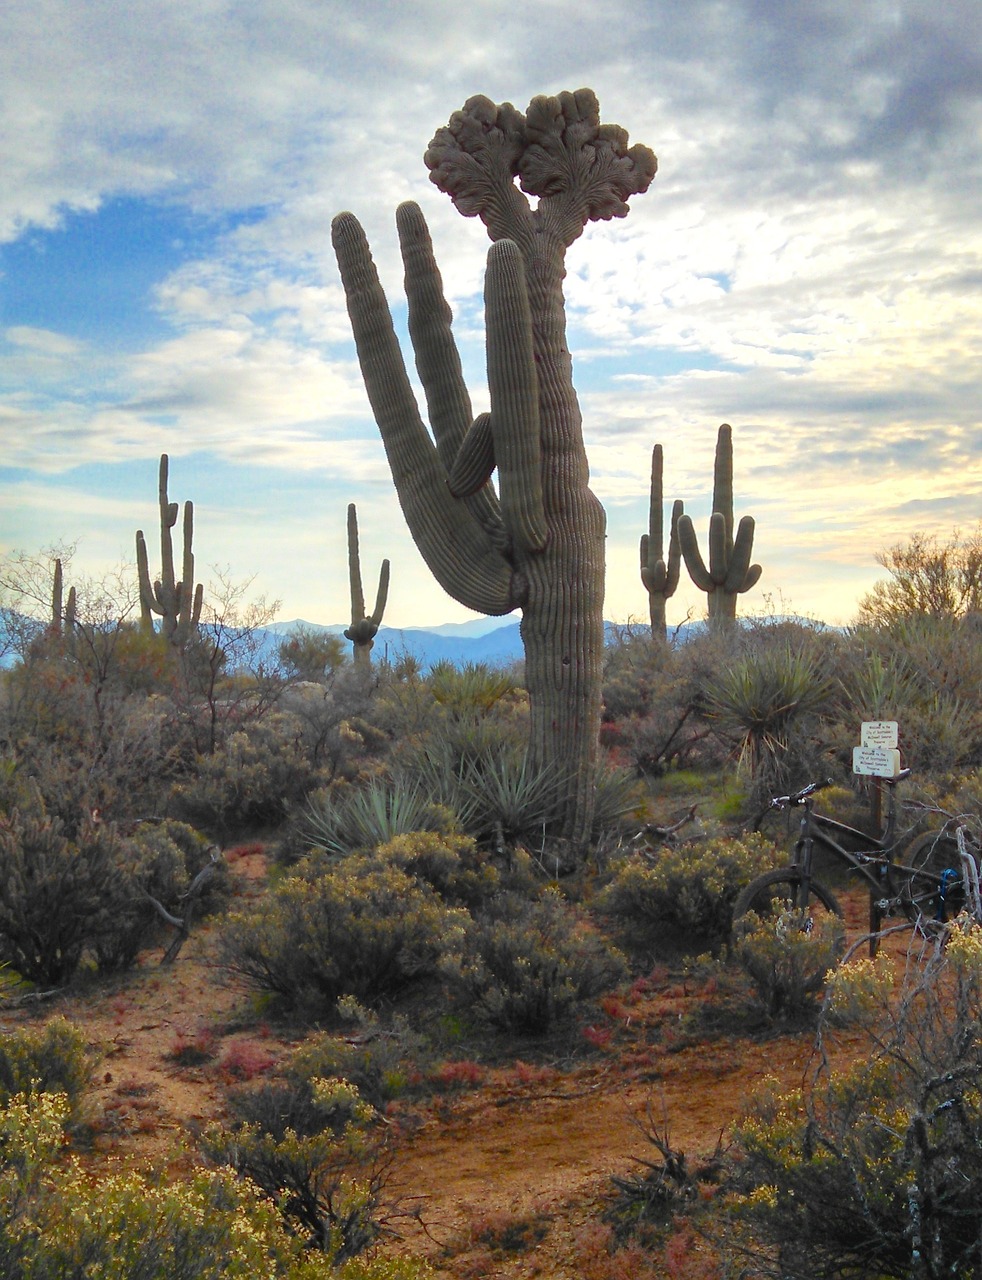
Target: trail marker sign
(877, 762)
(879, 733)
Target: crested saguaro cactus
(730, 572)
(363, 630)
(535, 543)
(177, 602)
(660, 578)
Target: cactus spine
(363, 630)
(177, 602)
(535, 543)
(660, 578)
(730, 572)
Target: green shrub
(247, 782)
(57, 895)
(380, 1061)
(57, 1221)
(527, 966)
(788, 963)
(874, 1170)
(451, 864)
(310, 1171)
(364, 929)
(49, 1059)
(689, 891)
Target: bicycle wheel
(777, 891)
(933, 888)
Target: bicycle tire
(763, 895)
(939, 895)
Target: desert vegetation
(417, 932)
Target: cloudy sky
(807, 266)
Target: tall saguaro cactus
(537, 542)
(363, 630)
(177, 602)
(660, 577)
(730, 572)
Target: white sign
(879, 733)
(877, 762)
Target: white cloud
(813, 230)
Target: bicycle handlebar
(799, 797)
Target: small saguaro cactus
(363, 629)
(177, 602)
(535, 543)
(660, 577)
(730, 572)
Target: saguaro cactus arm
(457, 549)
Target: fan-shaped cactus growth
(363, 630)
(177, 602)
(537, 542)
(660, 577)
(730, 572)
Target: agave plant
(368, 816)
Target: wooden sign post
(877, 757)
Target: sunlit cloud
(806, 267)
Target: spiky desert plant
(177, 602)
(660, 577)
(363, 629)
(730, 572)
(536, 544)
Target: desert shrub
(923, 672)
(248, 781)
(687, 891)
(311, 1171)
(526, 966)
(363, 929)
(57, 1221)
(788, 963)
(379, 1060)
(57, 895)
(161, 860)
(51, 1059)
(451, 864)
(873, 1170)
(649, 719)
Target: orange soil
(528, 1143)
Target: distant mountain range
(494, 641)
(497, 642)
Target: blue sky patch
(93, 278)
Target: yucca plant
(368, 816)
(761, 701)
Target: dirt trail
(528, 1143)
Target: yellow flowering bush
(689, 890)
(874, 1171)
(59, 1223)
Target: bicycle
(924, 890)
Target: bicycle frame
(872, 861)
